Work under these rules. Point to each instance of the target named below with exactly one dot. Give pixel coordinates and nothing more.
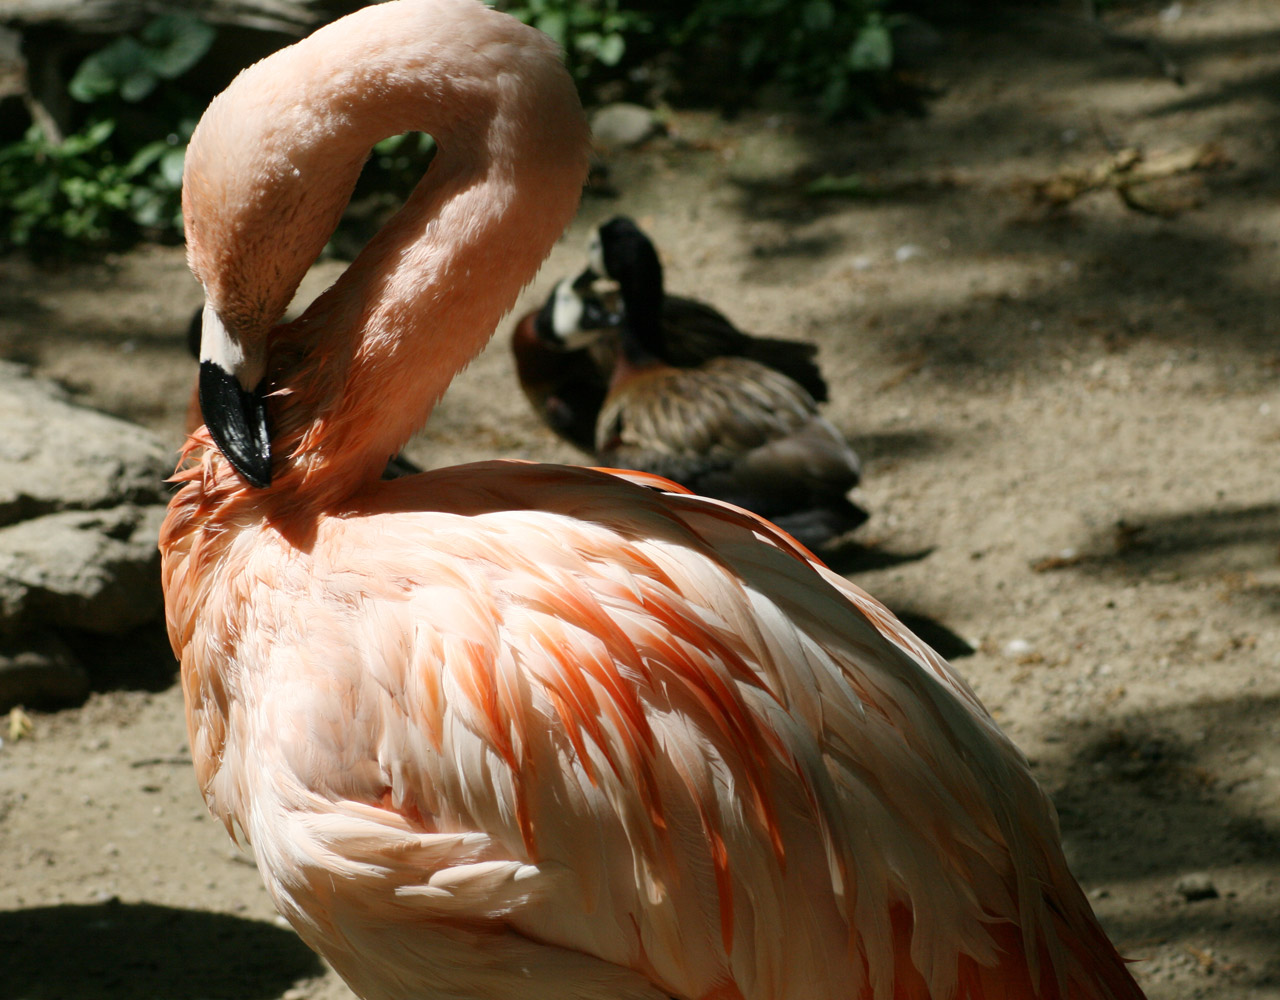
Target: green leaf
(92, 137)
(175, 43)
(147, 207)
(101, 73)
(171, 165)
(146, 157)
(136, 86)
(553, 23)
(612, 49)
(817, 15)
(872, 49)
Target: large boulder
(94, 571)
(56, 455)
(81, 501)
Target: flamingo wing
(610, 726)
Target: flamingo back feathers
(595, 675)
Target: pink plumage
(512, 730)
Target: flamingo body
(510, 730)
(653, 732)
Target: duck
(507, 729)
(689, 332)
(729, 427)
(565, 385)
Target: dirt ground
(1066, 419)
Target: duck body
(514, 730)
(728, 427)
(739, 431)
(565, 377)
(681, 331)
(694, 333)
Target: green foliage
(593, 33)
(77, 190)
(824, 52)
(404, 157)
(103, 181)
(821, 50)
(68, 189)
(120, 172)
(132, 67)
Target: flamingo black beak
(232, 402)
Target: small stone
(1196, 886)
(620, 126)
(906, 252)
(1017, 647)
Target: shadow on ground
(1238, 547)
(1158, 794)
(132, 950)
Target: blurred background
(1037, 247)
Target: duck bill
(232, 401)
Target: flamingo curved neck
(273, 164)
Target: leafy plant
(819, 49)
(132, 67)
(77, 190)
(156, 169)
(593, 33)
(70, 189)
(830, 53)
(103, 180)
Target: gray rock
(620, 126)
(1195, 886)
(40, 670)
(56, 455)
(98, 571)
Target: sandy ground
(1067, 421)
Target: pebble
(621, 126)
(1017, 647)
(1196, 886)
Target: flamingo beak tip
(237, 421)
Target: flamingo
(515, 730)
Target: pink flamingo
(512, 730)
